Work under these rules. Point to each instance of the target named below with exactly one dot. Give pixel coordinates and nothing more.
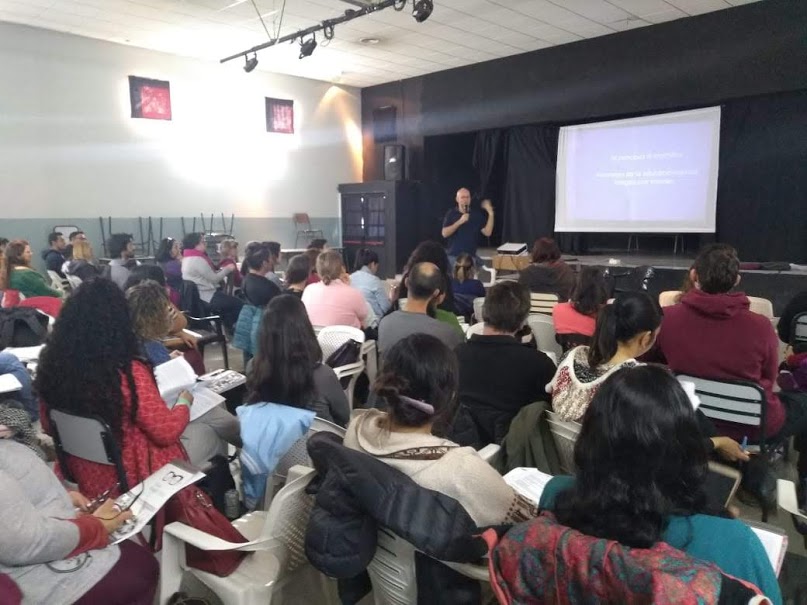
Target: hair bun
(389, 386)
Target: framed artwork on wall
(279, 115)
(151, 99)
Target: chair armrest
(490, 451)
(203, 541)
(475, 572)
(350, 369)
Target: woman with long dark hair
(169, 257)
(92, 365)
(579, 315)
(288, 367)
(641, 465)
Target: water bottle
(232, 506)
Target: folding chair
(565, 435)
(301, 219)
(542, 303)
(798, 330)
(86, 437)
(208, 328)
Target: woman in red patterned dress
(92, 364)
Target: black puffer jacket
(355, 495)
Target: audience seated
(53, 255)
(641, 465)
(579, 315)
(497, 374)
(55, 547)
(198, 268)
(120, 247)
(548, 274)
(333, 301)
(297, 274)
(434, 253)
(92, 365)
(9, 364)
(208, 435)
(82, 265)
(288, 367)
(713, 334)
(169, 257)
(464, 280)
(257, 291)
(426, 285)
(364, 278)
(418, 384)
(16, 272)
(228, 249)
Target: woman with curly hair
(208, 435)
(91, 365)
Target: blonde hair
(227, 245)
(149, 308)
(82, 250)
(330, 266)
(464, 267)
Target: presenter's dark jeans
(226, 306)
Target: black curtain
(762, 185)
(529, 191)
(487, 153)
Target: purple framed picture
(279, 115)
(151, 99)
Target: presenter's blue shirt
(728, 543)
(466, 238)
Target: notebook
(774, 541)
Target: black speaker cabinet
(382, 216)
(394, 162)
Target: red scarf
(195, 252)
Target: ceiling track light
(250, 64)
(307, 47)
(422, 9)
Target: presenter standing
(462, 225)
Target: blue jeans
(9, 364)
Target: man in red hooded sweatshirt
(713, 334)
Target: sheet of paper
(689, 389)
(148, 497)
(787, 499)
(204, 400)
(9, 383)
(529, 482)
(220, 381)
(173, 377)
(192, 333)
(774, 543)
(25, 354)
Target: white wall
(69, 148)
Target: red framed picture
(151, 99)
(279, 115)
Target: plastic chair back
(761, 306)
(479, 303)
(477, 328)
(57, 282)
(543, 329)
(86, 437)
(392, 571)
(402, 304)
(74, 281)
(330, 338)
(798, 330)
(738, 402)
(565, 435)
(542, 303)
(668, 298)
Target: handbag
(22, 327)
(349, 352)
(193, 507)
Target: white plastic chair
(276, 560)
(564, 435)
(761, 306)
(57, 282)
(798, 329)
(478, 304)
(668, 298)
(402, 304)
(543, 329)
(297, 456)
(477, 328)
(74, 281)
(330, 338)
(542, 303)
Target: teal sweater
(728, 543)
(30, 283)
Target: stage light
(250, 64)
(422, 10)
(307, 47)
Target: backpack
(22, 327)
